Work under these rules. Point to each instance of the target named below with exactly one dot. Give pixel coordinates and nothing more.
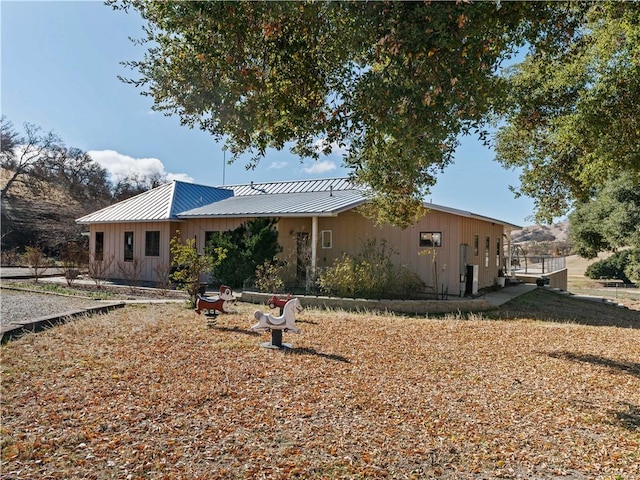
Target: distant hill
(558, 232)
(44, 218)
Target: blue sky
(59, 66)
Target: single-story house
(318, 221)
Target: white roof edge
(172, 197)
(162, 220)
(466, 213)
(264, 215)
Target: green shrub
(248, 246)
(623, 265)
(372, 274)
(188, 264)
(340, 278)
(632, 268)
(269, 277)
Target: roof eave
(328, 213)
(146, 220)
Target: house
(318, 221)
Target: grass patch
(59, 289)
(155, 393)
(545, 305)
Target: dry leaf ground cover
(153, 392)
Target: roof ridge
(276, 182)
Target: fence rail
(536, 264)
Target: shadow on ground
(550, 306)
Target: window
(430, 239)
(99, 247)
(498, 252)
(476, 245)
(487, 250)
(326, 238)
(152, 243)
(128, 246)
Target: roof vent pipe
(331, 190)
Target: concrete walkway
(502, 296)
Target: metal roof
(323, 185)
(464, 213)
(159, 204)
(322, 204)
(180, 200)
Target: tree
(621, 265)
(187, 264)
(83, 178)
(8, 137)
(395, 82)
(572, 115)
(610, 220)
(26, 156)
(54, 175)
(135, 184)
(246, 247)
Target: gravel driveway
(17, 307)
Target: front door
(303, 256)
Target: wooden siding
(114, 246)
(349, 230)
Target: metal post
(276, 338)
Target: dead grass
(546, 305)
(153, 392)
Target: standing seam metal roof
(159, 204)
(323, 185)
(180, 200)
(280, 205)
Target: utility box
(472, 280)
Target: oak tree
(572, 114)
(396, 83)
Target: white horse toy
(285, 322)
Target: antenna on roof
(224, 164)
(261, 190)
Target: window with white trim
(128, 246)
(430, 239)
(326, 239)
(487, 251)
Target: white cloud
(121, 166)
(320, 167)
(277, 165)
(335, 148)
(183, 177)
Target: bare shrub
(73, 258)
(163, 282)
(11, 258)
(269, 277)
(131, 272)
(98, 269)
(37, 261)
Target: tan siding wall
(349, 232)
(114, 246)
